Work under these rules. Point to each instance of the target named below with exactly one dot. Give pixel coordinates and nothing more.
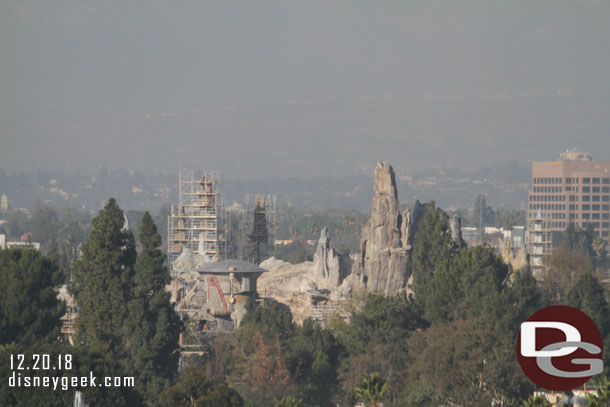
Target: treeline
(451, 343)
(125, 327)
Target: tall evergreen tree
(103, 281)
(29, 308)
(432, 244)
(152, 326)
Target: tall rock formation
(326, 263)
(329, 267)
(387, 237)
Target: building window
(605, 181)
(573, 216)
(596, 190)
(568, 181)
(586, 207)
(595, 225)
(595, 207)
(586, 189)
(605, 233)
(596, 180)
(586, 180)
(605, 198)
(586, 216)
(586, 198)
(605, 190)
(605, 207)
(605, 225)
(595, 216)
(573, 198)
(595, 198)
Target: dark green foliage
(371, 389)
(468, 356)
(382, 320)
(467, 365)
(312, 358)
(195, 389)
(31, 396)
(272, 320)
(152, 326)
(29, 308)
(290, 402)
(83, 362)
(588, 296)
(464, 285)
(536, 401)
(376, 341)
(104, 365)
(432, 245)
(300, 361)
(103, 281)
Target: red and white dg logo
(560, 348)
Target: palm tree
(371, 389)
(602, 399)
(536, 401)
(290, 402)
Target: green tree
(272, 320)
(103, 283)
(29, 309)
(536, 401)
(372, 389)
(432, 244)
(194, 389)
(312, 357)
(290, 402)
(376, 341)
(152, 326)
(602, 398)
(463, 283)
(587, 295)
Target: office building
(574, 190)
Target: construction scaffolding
(259, 228)
(198, 221)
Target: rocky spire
(326, 263)
(386, 238)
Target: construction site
(259, 228)
(197, 223)
(208, 289)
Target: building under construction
(258, 229)
(198, 221)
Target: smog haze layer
(301, 88)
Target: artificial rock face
(387, 237)
(329, 267)
(326, 263)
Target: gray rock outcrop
(329, 268)
(386, 238)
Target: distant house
(4, 244)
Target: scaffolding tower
(259, 229)
(198, 221)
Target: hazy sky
(298, 87)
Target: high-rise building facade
(575, 190)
